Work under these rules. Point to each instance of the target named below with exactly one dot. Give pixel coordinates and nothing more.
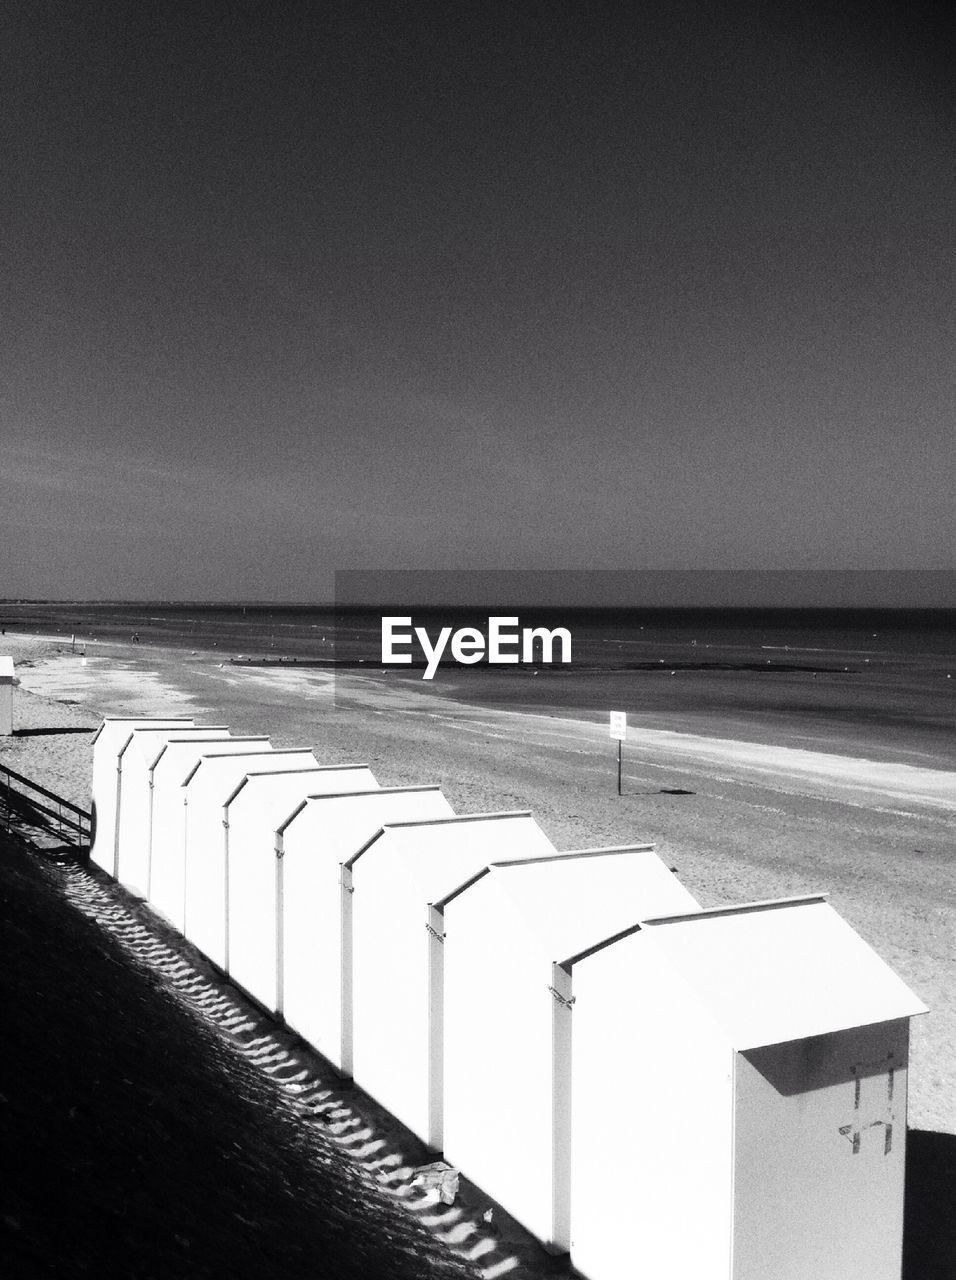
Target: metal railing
(22, 811)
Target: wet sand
(741, 817)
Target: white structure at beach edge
(6, 696)
(719, 1092)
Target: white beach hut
(493, 940)
(206, 792)
(108, 742)
(311, 846)
(136, 759)
(6, 696)
(253, 815)
(392, 881)
(174, 764)
(739, 1086)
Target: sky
(295, 288)
(401, 590)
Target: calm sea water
(802, 638)
(848, 680)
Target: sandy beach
(740, 820)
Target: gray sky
(296, 288)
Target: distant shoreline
(842, 694)
(579, 669)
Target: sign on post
(618, 730)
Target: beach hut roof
(339, 796)
(150, 737)
(261, 774)
(157, 722)
(545, 858)
(202, 733)
(567, 900)
(770, 972)
(458, 819)
(6, 670)
(251, 750)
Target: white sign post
(618, 730)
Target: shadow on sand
(36, 733)
(929, 1242)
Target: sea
(840, 679)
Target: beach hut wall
(311, 847)
(739, 1098)
(206, 793)
(108, 742)
(6, 696)
(492, 1080)
(393, 879)
(134, 817)
(253, 815)
(174, 764)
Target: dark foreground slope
(133, 1143)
